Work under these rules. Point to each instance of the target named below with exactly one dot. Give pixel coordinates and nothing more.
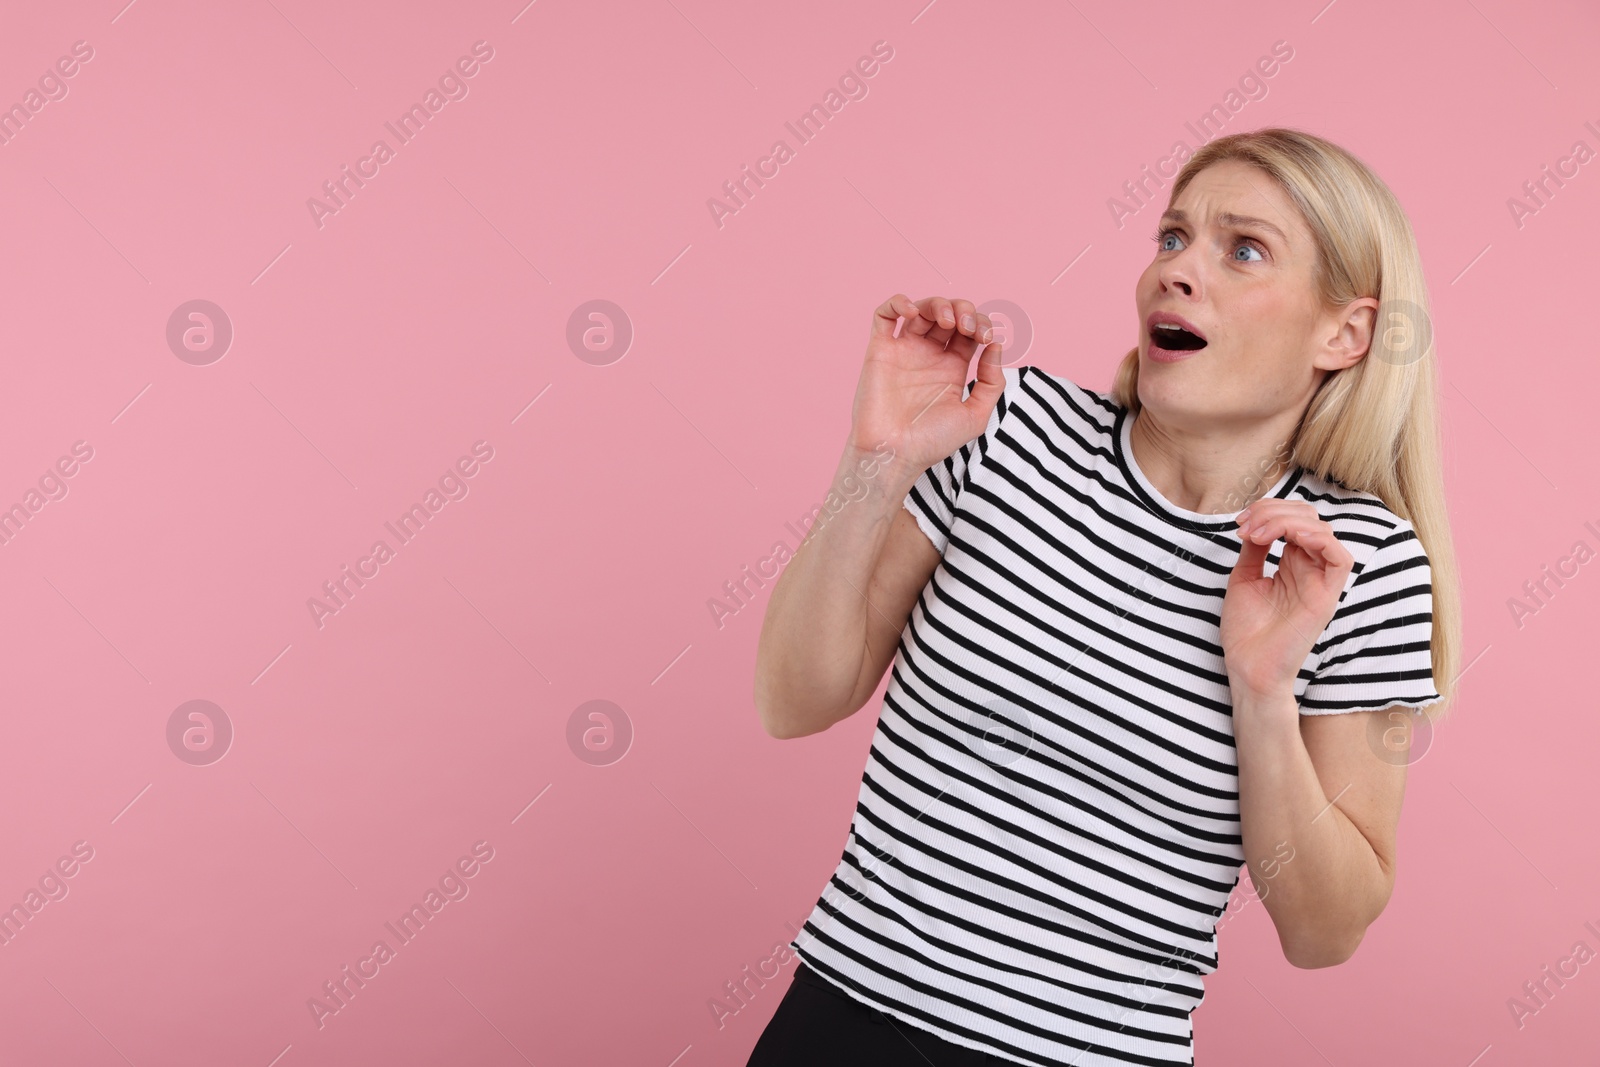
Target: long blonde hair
(1374, 425)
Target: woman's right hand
(909, 394)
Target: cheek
(1144, 289)
(1264, 324)
(1141, 284)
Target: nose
(1177, 273)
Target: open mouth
(1175, 338)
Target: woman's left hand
(1269, 625)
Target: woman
(1118, 682)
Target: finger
(1267, 531)
(973, 331)
(947, 327)
(1316, 540)
(1248, 566)
(986, 389)
(940, 311)
(925, 320)
(985, 329)
(1270, 506)
(887, 319)
(1323, 545)
(969, 322)
(964, 344)
(1257, 520)
(1262, 532)
(966, 322)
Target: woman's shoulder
(1068, 402)
(1360, 519)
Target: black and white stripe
(1047, 828)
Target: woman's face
(1234, 262)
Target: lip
(1169, 355)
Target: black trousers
(818, 1023)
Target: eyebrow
(1228, 218)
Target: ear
(1347, 334)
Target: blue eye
(1160, 238)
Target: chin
(1169, 389)
(1162, 371)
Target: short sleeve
(1377, 649)
(932, 500)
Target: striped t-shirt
(1047, 828)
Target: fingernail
(968, 322)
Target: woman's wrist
(880, 464)
(1264, 691)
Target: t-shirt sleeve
(1377, 649)
(932, 500)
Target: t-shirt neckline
(1152, 498)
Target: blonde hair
(1374, 425)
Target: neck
(1213, 471)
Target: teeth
(1179, 339)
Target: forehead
(1224, 192)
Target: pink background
(427, 314)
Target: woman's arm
(836, 614)
(837, 611)
(1311, 789)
